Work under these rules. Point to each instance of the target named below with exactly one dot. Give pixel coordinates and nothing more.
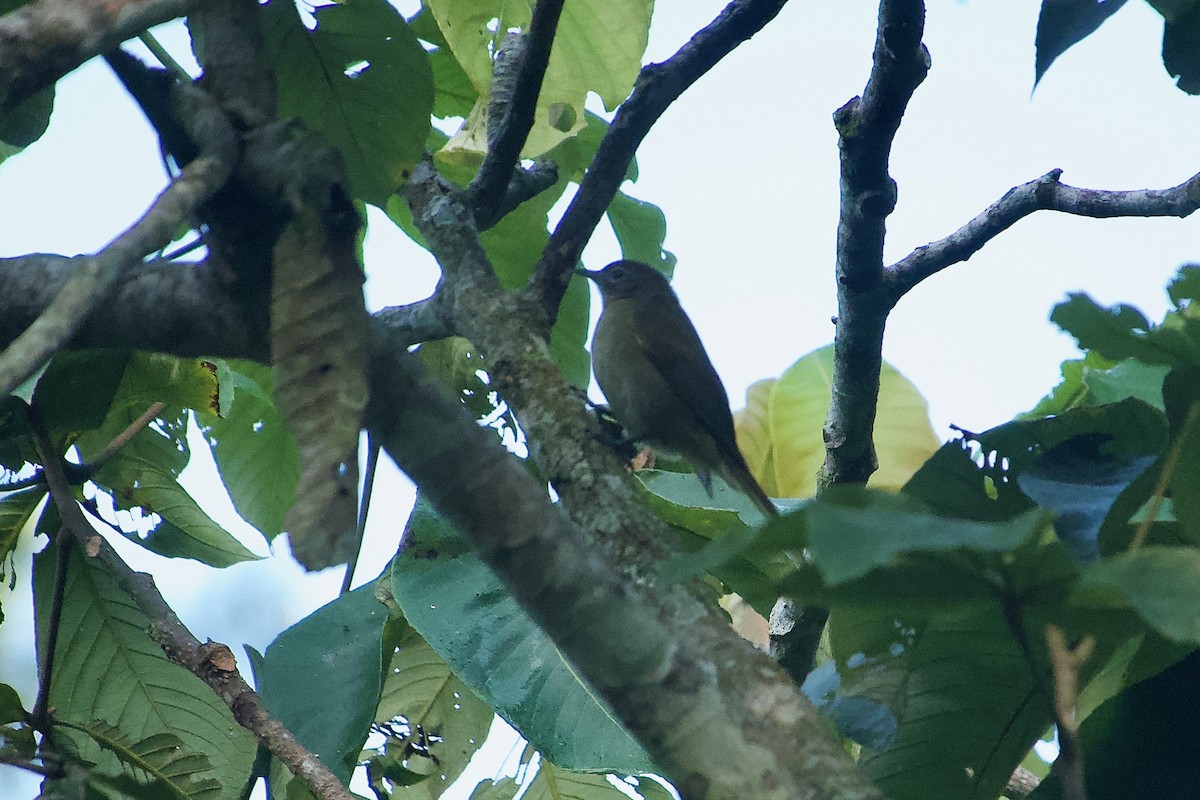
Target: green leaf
(455, 95)
(780, 430)
(322, 677)
(15, 510)
(185, 530)
(161, 760)
(1063, 23)
(641, 229)
(1122, 332)
(464, 612)
(255, 455)
(852, 531)
(1181, 391)
(108, 668)
(11, 709)
(1180, 52)
(76, 390)
(24, 124)
(1142, 742)
(569, 334)
(421, 689)
(360, 78)
(554, 783)
(597, 48)
(1159, 583)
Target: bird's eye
(617, 273)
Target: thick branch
(680, 679)
(1046, 193)
(235, 71)
(212, 662)
(42, 41)
(96, 275)
(183, 309)
(510, 114)
(656, 88)
(866, 126)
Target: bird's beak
(586, 273)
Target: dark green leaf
(1143, 742)
(11, 709)
(1123, 332)
(463, 611)
(360, 78)
(162, 760)
(1181, 50)
(322, 677)
(76, 390)
(1063, 23)
(25, 123)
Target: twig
(1046, 193)
(164, 57)
(40, 716)
(1164, 477)
(40, 42)
(363, 507)
(97, 275)
(1066, 662)
(866, 126)
(510, 117)
(657, 86)
(212, 662)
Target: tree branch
(514, 95)
(42, 41)
(679, 680)
(866, 126)
(95, 276)
(212, 662)
(1046, 193)
(657, 86)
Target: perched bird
(658, 380)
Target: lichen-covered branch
(657, 86)
(680, 679)
(1046, 193)
(42, 41)
(94, 276)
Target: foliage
(941, 579)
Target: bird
(658, 379)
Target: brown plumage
(658, 380)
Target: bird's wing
(667, 346)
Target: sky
(745, 166)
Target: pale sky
(745, 167)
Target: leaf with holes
(361, 79)
(421, 689)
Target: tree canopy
(935, 608)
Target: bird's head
(622, 279)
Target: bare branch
(417, 322)
(656, 88)
(1046, 193)
(510, 114)
(235, 70)
(42, 41)
(212, 662)
(96, 275)
(866, 126)
(678, 687)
